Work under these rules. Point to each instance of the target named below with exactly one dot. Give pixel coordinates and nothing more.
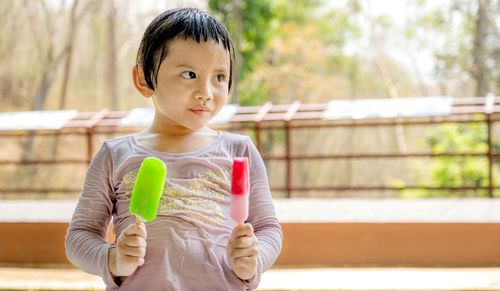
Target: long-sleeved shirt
(186, 243)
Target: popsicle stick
(138, 220)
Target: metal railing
(289, 117)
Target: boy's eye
(220, 78)
(189, 75)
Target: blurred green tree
(251, 24)
(465, 46)
(455, 171)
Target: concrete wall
(34, 243)
(391, 244)
(334, 244)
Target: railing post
(90, 145)
(489, 103)
(90, 125)
(488, 110)
(490, 157)
(258, 138)
(290, 113)
(288, 160)
(259, 116)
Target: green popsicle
(147, 190)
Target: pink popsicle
(240, 187)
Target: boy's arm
(86, 245)
(262, 216)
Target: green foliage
(338, 27)
(455, 171)
(251, 23)
(254, 94)
(256, 18)
(298, 11)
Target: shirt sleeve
(262, 216)
(86, 245)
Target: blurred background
(57, 55)
(292, 57)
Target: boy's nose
(204, 91)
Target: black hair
(181, 23)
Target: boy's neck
(177, 141)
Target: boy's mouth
(200, 110)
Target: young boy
(184, 65)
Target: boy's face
(192, 84)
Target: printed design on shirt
(198, 198)
(128, 181)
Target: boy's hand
(129, 252)
(243, 251)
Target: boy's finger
(135, 241)
(243, 230)
(133, 260)
(133, 251)
(246, 252)
(133, 229)
(244, 242)
(246, 261)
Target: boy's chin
(196, 127)
(199, 124)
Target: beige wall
(391, 244)
(334, 244)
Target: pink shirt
(186, 244)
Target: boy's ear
(140, 82)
